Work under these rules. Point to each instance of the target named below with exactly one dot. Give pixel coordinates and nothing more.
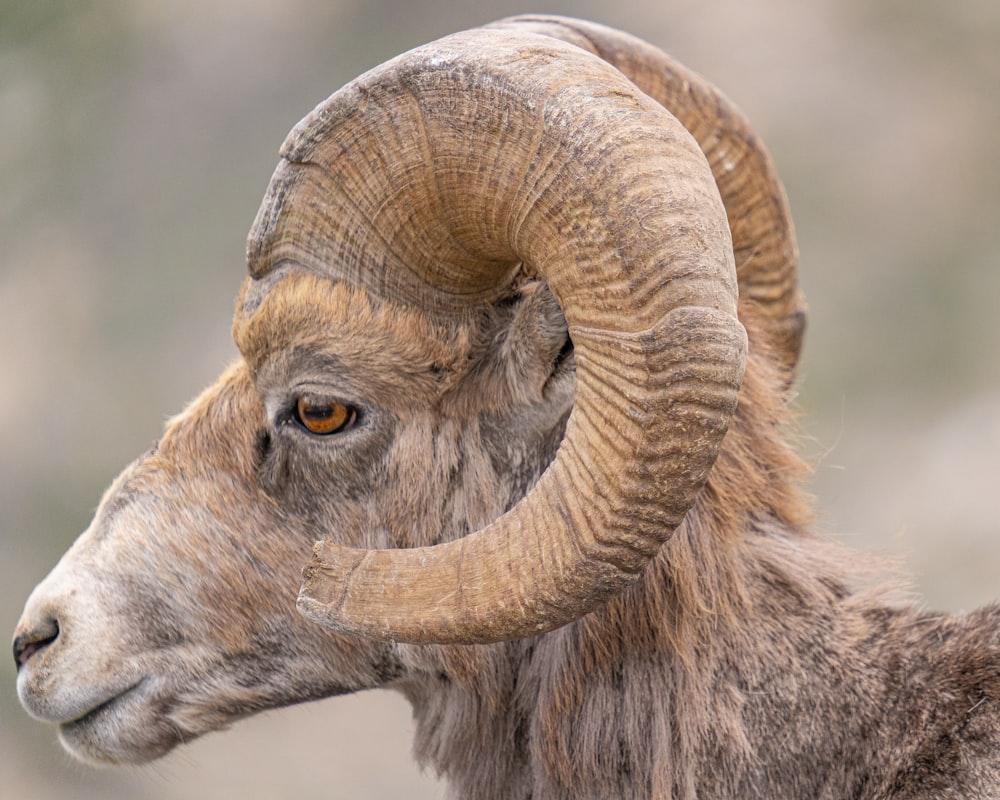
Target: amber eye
(324, 417)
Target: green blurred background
(136, 140)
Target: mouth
(122, 729)
(104, 708)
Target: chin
(104, 745)
(122, 732)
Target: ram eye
(324, 417)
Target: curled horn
(430, 180)
(756, 205)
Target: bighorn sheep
(493, 362)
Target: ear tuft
(538, 329)
(531, 343)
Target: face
(174, 613)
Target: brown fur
(741, 664)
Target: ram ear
(522, 342)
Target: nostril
(29, 643)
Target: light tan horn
(429, 180)
(756, 205)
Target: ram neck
(792, 708)
(794, 702)
(739, 665)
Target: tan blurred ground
(136, 139)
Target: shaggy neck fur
(740, 665)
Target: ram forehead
(307, 323)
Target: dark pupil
(317, 413)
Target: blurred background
(136, 140)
